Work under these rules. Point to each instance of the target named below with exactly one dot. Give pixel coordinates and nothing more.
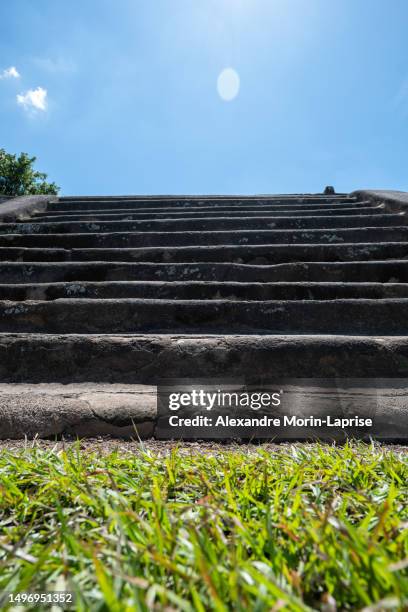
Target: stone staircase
(128, 290)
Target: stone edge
(23, 206)
(395, 200)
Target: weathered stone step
(129, 410)
(332, 221)
(188, 238)
(395, 271)
(185, 202)
(117, 215)
(59, 208)
(169, 206)
(83, 409)
(352, 316)
(62, 208)
(248, 254)
(146, 359)
(203, 290)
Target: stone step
(119, 316)
(364, 235)
(64, 207)
(351, 316)
(203, 290)
(147, 359)
(232, 237)
(394, 271)
(130, 410)
(332, 221)
(89, 208)
(58, 208)
(89, 203)
(290, 204)
(117, 215)
(247, 254)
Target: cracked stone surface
(76, 409)
(130, 411)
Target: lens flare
(228, 84)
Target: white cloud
(33, 99)
(10, 73)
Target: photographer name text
(267, 421)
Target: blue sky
(120, 96)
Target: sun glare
(228, 84)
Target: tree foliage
(18, 177)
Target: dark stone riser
(352, 316)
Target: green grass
(305, 527)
